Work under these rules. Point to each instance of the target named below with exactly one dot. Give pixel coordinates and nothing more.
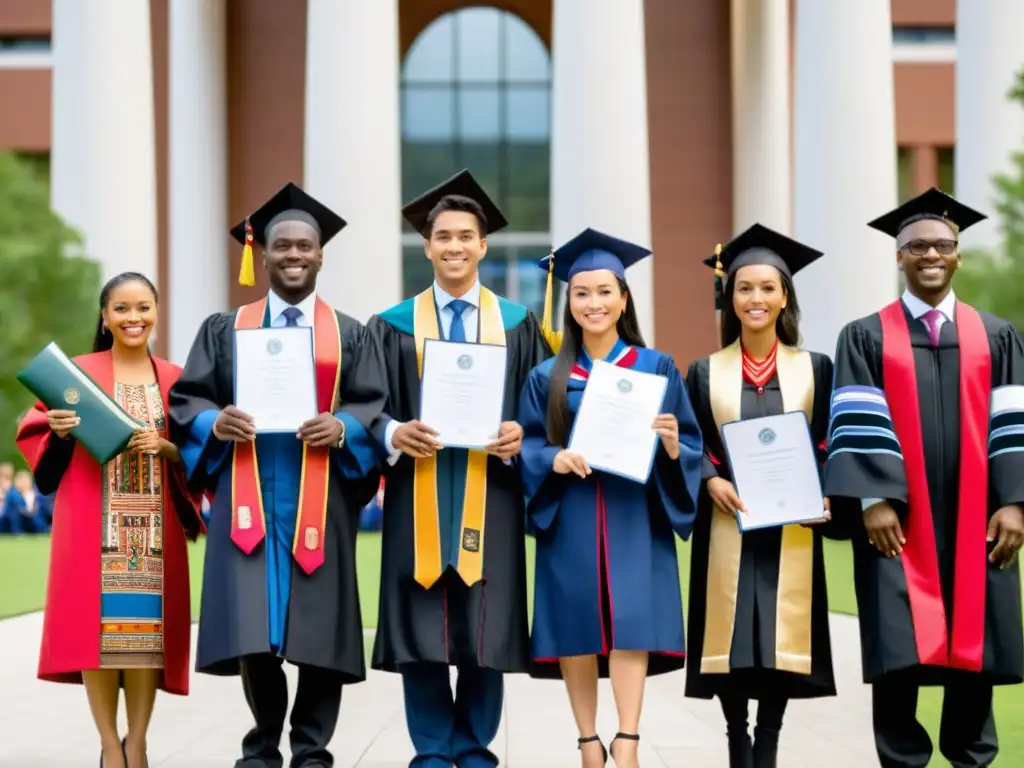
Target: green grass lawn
(23, 561)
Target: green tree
(48, 291)
(989, 281)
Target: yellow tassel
(247, 274)
(719, 271)
(551, 336)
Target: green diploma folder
(59, 384)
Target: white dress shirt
(277, 306)
(918, 308)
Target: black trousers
(967, 735)
(314, 714)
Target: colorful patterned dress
(132, 587)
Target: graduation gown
(607, 573)
(758, 608)
(270, 599)
(453, 590)
(938, 433)
(71, 618)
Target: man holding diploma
(280, 577)
(453, 574)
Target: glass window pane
(477, 42)
(424, 165)
(527, 58)
(947, 162)
(904, 174)
(527, 204)
(427, 113)
(483, 159)
(417, 271)
(494, 271)
(430, 57)
(527, 113)
(479, 113)
(533, 281)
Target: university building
(673, 123)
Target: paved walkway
(48, 726)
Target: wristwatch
(341, 440)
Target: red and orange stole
(248, 524)
(920, 559)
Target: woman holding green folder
(117, 602)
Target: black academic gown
(484, 625)
(752, 664)
(916, 612)
(255, 604)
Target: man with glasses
(926, 444)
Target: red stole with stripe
(920, 559)
(248, 524)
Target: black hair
(927, 217)
(456, 203)
(787, 325)
(104, 340)
(558, 415)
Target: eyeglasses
(921, 247)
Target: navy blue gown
(607, 573)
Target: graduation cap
(462, 184)
(290, 203)
(759, 245)
(589, 251)
(933, 204)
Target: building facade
(675, 123)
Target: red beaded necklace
(758, 373)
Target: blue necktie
(291, 317)
(458, 330)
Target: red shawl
(71, 619)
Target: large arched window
(476, 94)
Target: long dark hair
(787, 325)
(104, 339)
(558, 416)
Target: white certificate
(612, 430)
(462, 391)
(775, 470)
(275, 379)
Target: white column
(198, 168)
(352, 148)
(600, 174)
(989, 127)
(103, 151)
(762, 168)
(845, 162)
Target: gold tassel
(553, 337)
(719, 271)
(247, 274)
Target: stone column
(600, 172)
(845, 162)
(103, 150)
(198, 168)
(352, 149)
(989, 127)
(762, 167)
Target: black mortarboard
(462, 184)
(759, 245)
(933, 204)
(290, 203)
(592, 250)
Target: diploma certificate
(462, 391)
(774, 470)
(612, 430)
(275, 379)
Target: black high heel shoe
(620, 735)
(587, 740)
